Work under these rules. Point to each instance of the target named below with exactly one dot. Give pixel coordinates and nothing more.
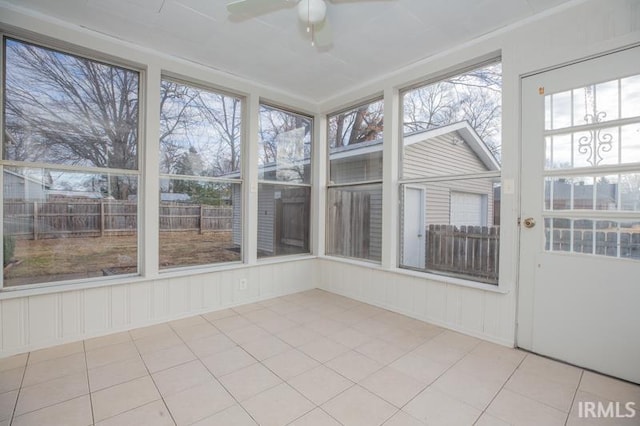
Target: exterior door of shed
(580, 264)
(413, 249)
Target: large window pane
(283, 219)
(285, 146)
(65, 109)
(61, 225)
(284, 155)
(201, 211)
(450, 216)
(200, 222)
(200, 131)
(78, 217)
(354, 222)
(355, 144)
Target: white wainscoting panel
(38, 321)
(484, 314)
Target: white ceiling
(371, 38)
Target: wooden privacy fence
(349, 217)
(606, 242)
(468, 251)
(96, 218)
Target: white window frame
(138, 172)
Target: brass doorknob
(529, 222)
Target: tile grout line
(151, 377)
(211, 372)
(129, 381)
(575, 394)
(501, 388)
(15, 406)
(438, 377)
(86, 366)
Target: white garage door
(468, 209)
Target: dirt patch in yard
(61, 259)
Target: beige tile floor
(311, 358)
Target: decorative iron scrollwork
(597, 142)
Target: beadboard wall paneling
(39, 321)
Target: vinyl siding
(438, 157)
(236, 225)
(266, 218)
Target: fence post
(201, 217)
(102, 218)
(35, 220)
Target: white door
(413, 241)
(579, 287)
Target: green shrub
(9, 247)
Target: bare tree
(474, 96)
(199, 122)
(64, 109)
(361, 124)
(77, 111)
(276, 128)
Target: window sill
(64, 286)
(501, 289)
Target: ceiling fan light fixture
(312, 11)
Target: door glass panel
(606, 238)
(630, 192)
(630, 143)
(630, 91)
(559, 152)
(597, 147)
(561, 110)
(630, 240)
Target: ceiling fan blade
(257, 7)
(323, 34)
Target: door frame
(522, 185)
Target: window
(591, 166)
(200, 179)
(70, 166)
(450, 182)
(354, 200)
(284, 190)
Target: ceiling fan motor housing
(312, 11)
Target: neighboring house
(357, 211)
(19, 187)
(55, 194)
(454, 149)
(170, 197)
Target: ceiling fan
(312, 14)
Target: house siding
(236, 224)
(438, 156)
(266, 218)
